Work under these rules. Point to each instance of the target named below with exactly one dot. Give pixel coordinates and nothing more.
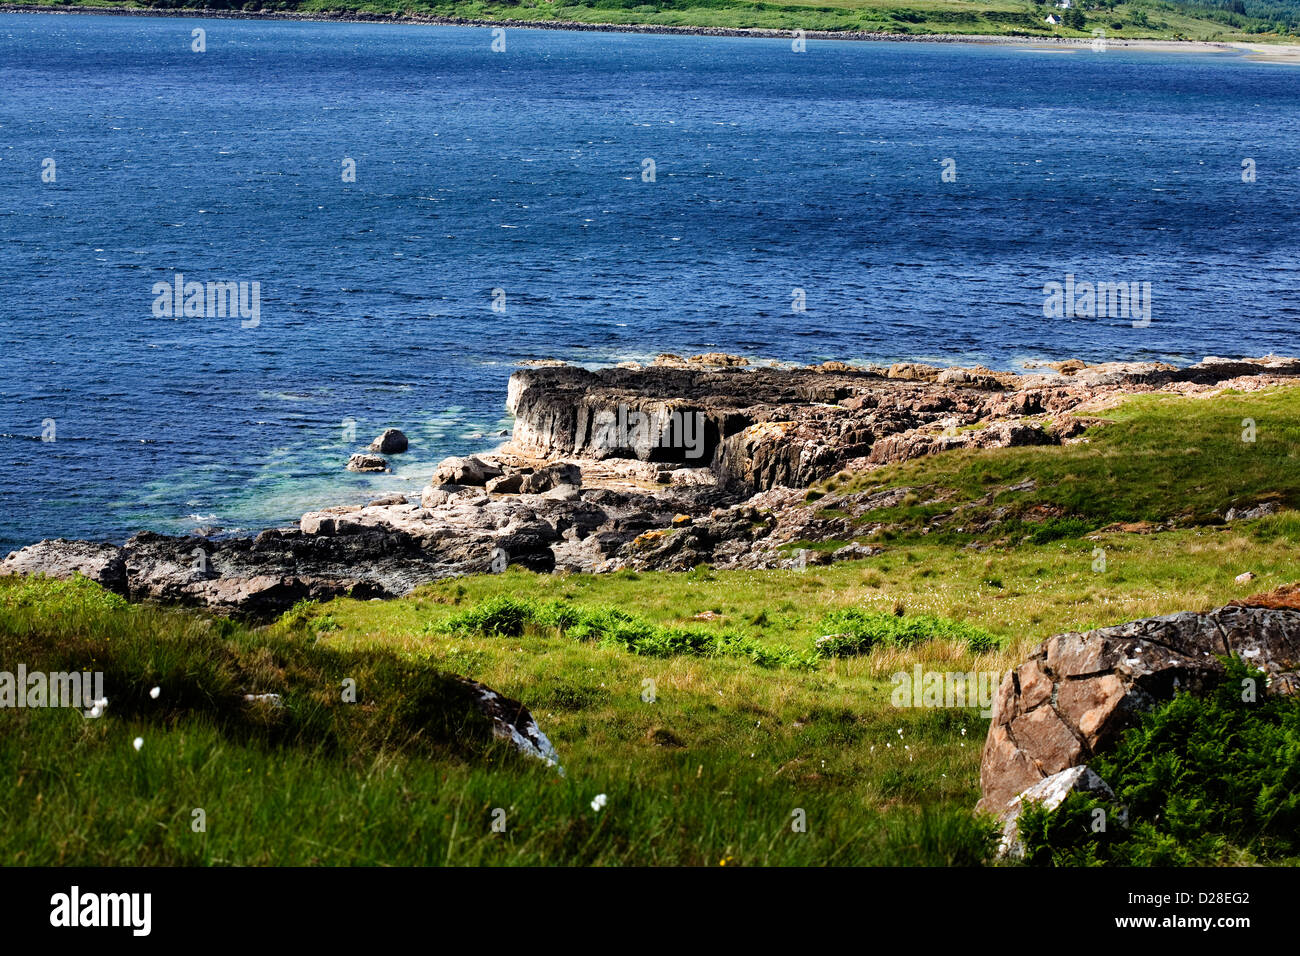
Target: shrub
(1201, 780)
(501, 616)
(614, 627)
(855, 631)
(1056, 529)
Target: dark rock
(512, 722)
(391, 442)
(510, 484)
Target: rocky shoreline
(657, 467)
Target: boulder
(60, 558)
(978, 377)
(510, 484)
(391, 442)
(1249, 514)
(854, 551)
(465, 471)
(913, 372)
(435, 497)
(1077, 692)
(550, 477)
(719, 359)
(364, 462)
(1048, 793)
(512, 722)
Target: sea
(408, 212)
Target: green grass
(699, 703)
(854, 631)
(1159, 459)
(1156, 19)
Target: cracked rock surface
(1078, 691)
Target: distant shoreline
(581, 26)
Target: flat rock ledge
(658, 467)
(1078, 691)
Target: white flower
(598, 802)
(137, 743)
(158, 690)
(900, 731)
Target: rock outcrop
(61, 558)
(687, 461)
(758, 428)
(1077, 692)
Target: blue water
(522, 171)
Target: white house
(1053, 19)
(1063, 5)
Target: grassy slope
(710, 771)
(986, 17)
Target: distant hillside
(1219, 20)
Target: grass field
(1157, 19)
(704, 712)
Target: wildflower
(137, 743)
(155, 692)
(599, 802)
